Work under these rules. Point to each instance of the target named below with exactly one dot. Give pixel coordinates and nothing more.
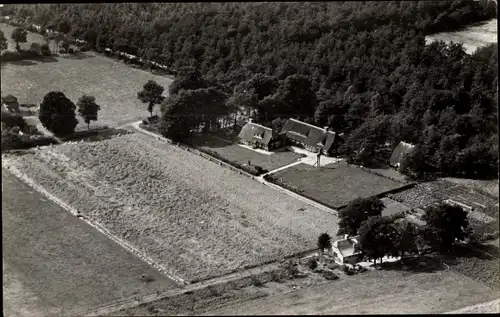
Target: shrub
(85, 47)
(29, 53)
(256, 281)
(11, 120)
(45, 50)
(10, 56)
(347, 270)
(329, 275)
(312, 263)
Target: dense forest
(361, 68)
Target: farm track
(260, 179)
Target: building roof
(252, 132)
(9, 99)
(399, 151)
(346, 247)
(308, 134)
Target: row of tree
(57, 112)
(381, 236)
(362, 68)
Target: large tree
(324, 242)
(64, 26)
(3, 41)
(19, 35)
(88, 108)
(407, 238)
(446, 224)
(357, 211)
(57, 113)
(188, 79)
(152, 94)
(378, 238)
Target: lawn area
(31, 38)
(374, 292)
(192, 217)
(240, 155)
(335, 184)
(112, 83)
(54, 263)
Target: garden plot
(192, 217)
(334, 184)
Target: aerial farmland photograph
(250, 158)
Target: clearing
(192, 217)
(373, 292)
(472, 37)
(240, 155)
(54, 263)
(335, 184)
(113, 83)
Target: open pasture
(192, 217)
(112, 83)
(31, 38)
(334, 184)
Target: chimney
(249, 120)
(325, 128)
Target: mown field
(112, 83)
(374, 292)
(240, 155)
(191, 216)
(334, 184)
(54, 263)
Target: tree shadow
(22, 63)
(43, 59)
(94, 135)
(421, 264)
(76, 55)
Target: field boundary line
(16, 172)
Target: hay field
(193, 217)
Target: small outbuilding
(398, 153)
(344, 251)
